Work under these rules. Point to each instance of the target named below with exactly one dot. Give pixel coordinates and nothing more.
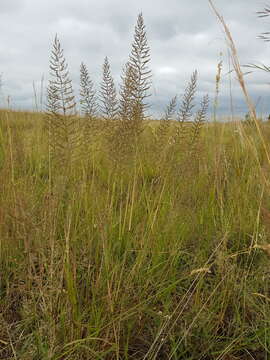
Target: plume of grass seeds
(134, 90)
(139, 74)
(89, 106)
(198, 122)
(128, 126)
(185, 113)
(218, 78)
(165, 123)
(161, 136)
(87, 93)
(108, 95)
(121, 137)
(62, 124)
(126, 101)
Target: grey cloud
(183, 36)
(10, 6)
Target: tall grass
(149, 244)
(149, 260)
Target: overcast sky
(183, 35)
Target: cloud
(11, 6)
(183, 36)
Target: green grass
(147, 255)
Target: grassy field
(158, 250)
(123, 237)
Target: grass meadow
(123, 238)
(162, 254)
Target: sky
(183, 35)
